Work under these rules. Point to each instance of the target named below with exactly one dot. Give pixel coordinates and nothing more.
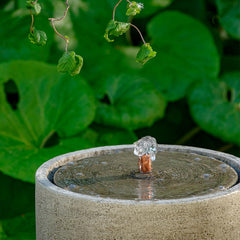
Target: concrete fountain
(166, 192)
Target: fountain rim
(42, 174)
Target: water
(146, 145)
(176, 175)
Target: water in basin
(175, 175)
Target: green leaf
(153, 6)
(116, 61)
(50, 104)
(134, 8)
(161, 3)
(34, 7)
(215, 106)
(110, 27)
(18, 197)
(113, 136)
(132, 103)
(145, 53)
(70, 63)
(37, 37)
(18, 228)
(115, 29)
(91, 13)
(229, 12)
(120, 13)
(177, 123)
(186, 52)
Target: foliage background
(189, 94)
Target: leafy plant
(187, 52)
(35, 36)
(128, 103)
(134, 8)
(116, 29)
(21, 228)
(229, 16)
(145, 53)
(12, 49)
(70, 62)
(215, 106)
(44, 111)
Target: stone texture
(62, 214)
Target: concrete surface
(65, 215)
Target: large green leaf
(16, 197)
(229, 12)
(215, 106)
(112, 62)
(50, 104)
(133, 103)
(113, 136)
(152, 6)
(96, 15)
(18, 228)
(14, 30)
(185, 52)
(177, 123)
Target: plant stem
(15, 4)
(138, 32)
(46, 139)
(225, 147)
(114, 10)
(60, 35)
(128, 33)
(60, 19)
(188, 135)
(31, 29)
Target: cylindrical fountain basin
(64, 214)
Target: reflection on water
(175, 175)
(145, 189)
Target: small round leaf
(115, 29)
(70, 63)
(37, 37)
(34, 7)
(134, 8)
(145, 53)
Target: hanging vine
(35, 36)
(70, 62)
(116, 28)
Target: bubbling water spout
(145, 148)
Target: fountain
(166, 192)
